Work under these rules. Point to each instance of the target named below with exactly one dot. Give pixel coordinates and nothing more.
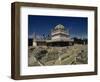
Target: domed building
(59, 37)
(59, 33)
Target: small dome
(59, 26)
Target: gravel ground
(47, 56)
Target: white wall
(5, 40)
(59, 37)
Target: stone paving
(47, 56)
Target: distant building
(59, 37)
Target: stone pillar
(34, 43)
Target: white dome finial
(59, 26)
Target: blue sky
(77, 26)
